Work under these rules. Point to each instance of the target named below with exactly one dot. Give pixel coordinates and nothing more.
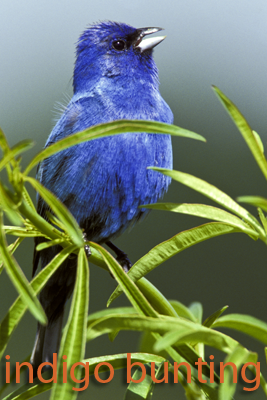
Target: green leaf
(18, 308)
(55, 221)
(11, 248)
(103, 313)
(256, 201)
(71, 226)
(156, 298)
(51, 243)
(143, 389)
(19, 280)
(111, 311)
(182, 310)
(3, 142)
(175, 330)
(165, 250)
(214, 194)
(25, 392)
(212, 318)
(9, 207)
(119, 361)
(197, 310)
(251, 139)
(21, 231)
(40, 223)
(108, 129)
(259, 141)
(74, 335)
(161, 326)
(116, 322)
(198, 334)
(134, 295)
(27, 198)
(147, 342)
(15, 151)
(238, 357)
(244, 323)
(263, 219)
(204, 211)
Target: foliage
(172, 332)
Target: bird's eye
(119, 45)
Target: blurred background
(208, 42)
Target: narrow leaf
(175, 330)
(263, 219)
(214, 194)
(61, 211)
(18, 308)
(25, 392)
(212, 318)
(15, 151)
(204, 211)
(245, 130)
(134, 295)
(182, 310)
(259, 141)
(19, 280)
(27, 198)
(165, 250)
(244, 323)
(74, 336)
(143, 389)
(136, 322)
(21, 231)
(108, 129)
(3, 142)
(51, 243)
(161, 326)
(111, 311)
(119, 361)
(197, 310)
(11, 248)
(199, 334)
(238, 357)
(156, 298)
(8, 205)
(255, 201)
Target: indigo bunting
(103, 182)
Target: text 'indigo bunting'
(102, 182)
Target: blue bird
(103, 182)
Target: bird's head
(115, 50)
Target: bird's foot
(124, 261)
(86, 246)
(122, 257)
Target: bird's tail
(47, 342)
(53, 298)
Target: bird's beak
(148, 43)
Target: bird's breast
(104, 181)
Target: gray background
(209, 42)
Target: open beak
(147, 43)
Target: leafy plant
(173, 334)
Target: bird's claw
(86, 246)
(125, 263)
